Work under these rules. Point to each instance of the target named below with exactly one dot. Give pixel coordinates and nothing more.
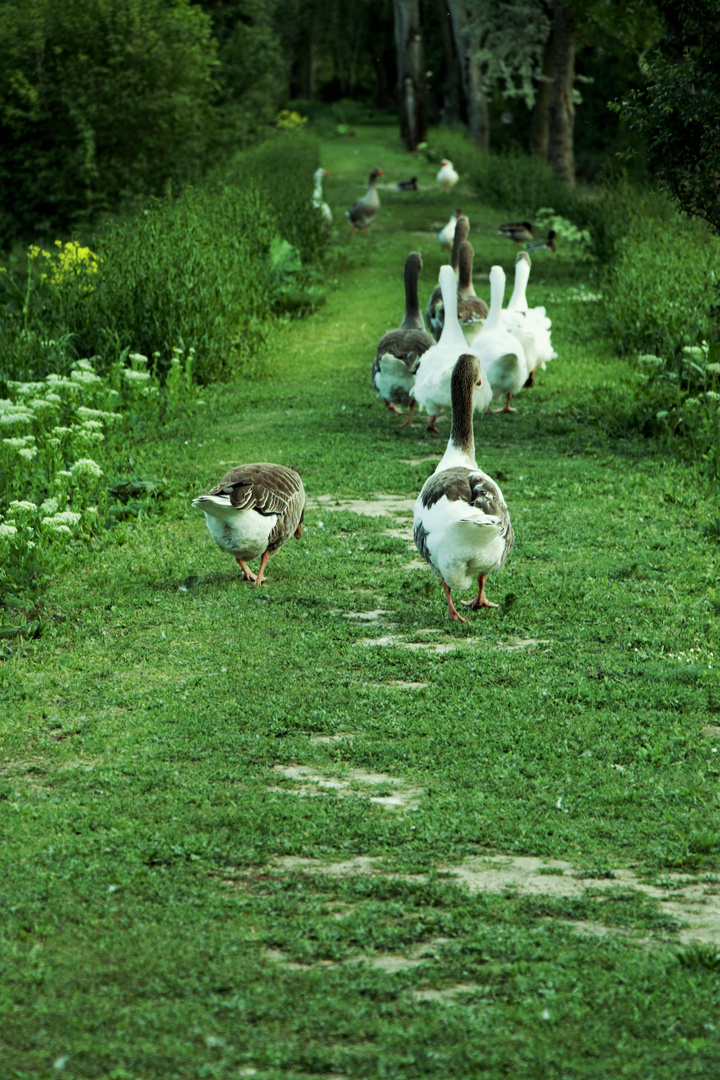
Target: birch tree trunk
(562, 110)
(411, 89)
(467, 44)
(540, 120)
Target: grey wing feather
(267, 488)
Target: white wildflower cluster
(86, 414)
(136, 377)
(67, 517)
(87, 468)
(6, 530)
(49, 507)
(23, 505)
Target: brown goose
(519, 231)
(253, 511)
(363, 212)
(461, 523)
(435, 313)
(398, 351)
(472, 311)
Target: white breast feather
(462, 540)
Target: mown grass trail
(276, 832)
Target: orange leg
(393, 407)
(432, 427)
(453, 613)
(408, 421)
(507, 407)
(480, 600)
(247, 572)
(263, 564)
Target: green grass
(150, 926)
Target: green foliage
(283, 168)
(100, 99)
(676, 113)
(661, 287)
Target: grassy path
(315, 829)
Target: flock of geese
(471, 356)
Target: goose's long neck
(461, 444)
(413, 319)
(318, 189)
(466, 265)
(497, 291)
(462, 228)
(518, 300)
(452, 335)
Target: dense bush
(660, 277)
(204, 270)
(99, 99)
(282, 168)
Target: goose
(318, 196)
(434, 370)
(472, 311)
(435, 312)
(501, 352)
(253, 511)
(549, 243)
(407, 185)
(519, 231)
(531, 326)
(363, 211)
(447, 178)
(399, 350)
(447, 233)
(461, 523)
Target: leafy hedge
(204, 270)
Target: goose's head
(457, 214)
(465, 375)
(319, 174)
(522, 256)
(374, 174)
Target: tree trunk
(312, 71)
(412, 97)
(562, 110)
(539, 123)
(451, 105)
(467, 44)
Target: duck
(318, 203)
(500, 351)
(363, 211)
(548, 243)
(461, 523)
(435, 313)
(399, 350)
(447, 178)
(472, 311)
(252, 511)
(434, 370)
(447, 233)
(519, 231)
(531, 326)
(407, 185)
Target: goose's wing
(268, 489)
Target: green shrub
(661, 287)
(99, 99)
(282, 168)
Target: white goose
(433, 374)
(398, 351)
(447, 233)
(435, 312)
(461, 523)
(501, 352)
(531, 326)
(253, 511)
(447, 178)
(318, 196)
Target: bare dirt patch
(378, 506)
(399, 641)
(312, 782)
